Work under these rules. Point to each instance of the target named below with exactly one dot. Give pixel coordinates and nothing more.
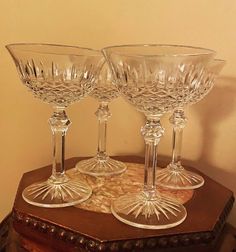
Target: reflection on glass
(102, 165)
(155, 79)
(58, 75)
(175, 176)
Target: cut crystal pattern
(57, 83)
(102, 165)
(155, 79)
(209, 76)
(179, 178)
(105, 89)
(175, 176)
(98, 166)
(158, 88)
(59, 75)
(62, 193)
(141, 205)
(105, 94)
(106, 189)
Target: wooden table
(73, 229)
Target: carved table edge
(168, 241)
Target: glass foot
(135, 209)
(52, 194)
(178, 179)
(101, 166)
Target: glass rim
(11, 45)
(205, 51)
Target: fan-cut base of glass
(160, 212)
(104, 166)
(178, 178)
(53, 193)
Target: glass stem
(178, 120)
(59, 124)
(152, 132)
(102, 114)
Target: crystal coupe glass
(102, 165)
(58, 75)
(154, 78)
(175, 176)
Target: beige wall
(210, 137)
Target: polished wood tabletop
(74, 229)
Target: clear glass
(155, 79)
(58, 75)
(102, 165)
(175, 176)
